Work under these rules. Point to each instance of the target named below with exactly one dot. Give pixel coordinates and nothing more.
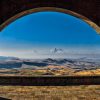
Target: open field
(51, 92)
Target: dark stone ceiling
(87, 8)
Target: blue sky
(43, 31)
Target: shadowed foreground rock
(4, 98)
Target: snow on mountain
(57, 51)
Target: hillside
(89, 72)
(12, 66)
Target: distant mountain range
(77, 64)
(8, 58)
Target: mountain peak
(57, 50)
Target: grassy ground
(51, 92)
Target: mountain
(57, 51)
(49, 60)
(10, 64)
(76, 64)
(8, 58)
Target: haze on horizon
(37, 35)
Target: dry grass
(89, 72)
(51, 92)
(61, 70)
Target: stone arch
(39, 9)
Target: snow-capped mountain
(57, 51)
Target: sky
(38, 34)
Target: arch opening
(34, 10)
(57, 42)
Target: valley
(42, 67)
